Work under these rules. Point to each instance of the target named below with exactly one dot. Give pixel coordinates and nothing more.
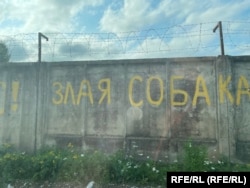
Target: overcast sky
(118, 29)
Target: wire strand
(171, 41)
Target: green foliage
(70, 165)
(46, 165)
(4, 53)
(194, 157)
(128, 169)
(15, 165)
(6, 148)
(84, 167)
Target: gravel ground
(20, 184)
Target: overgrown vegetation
(57, 165)
(4, 53)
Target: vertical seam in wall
(21, 112)
(230, 132)
(85, 107)
(168, 67)
(126, 105)
(228, 125)
(45, 100)
(8, 98)
(167, 97)
(235, 129)
(216, 101)
(37, 99)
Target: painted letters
(65, 93)
(3, 89)
(224, 90)
(149, 98)
(69, 90)
(174, 92)
(242, 89)
(13, 88)
(105, 91)
(204, 93)
(130, 91)
(59, 98)
(85, 85)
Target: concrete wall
(149, 107)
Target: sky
(123, 29)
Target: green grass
(68, 165)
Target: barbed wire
(171, 41)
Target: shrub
(15, 166)
(127, 169)
(71, 165)
(84, 167)
(194, 157)
(46, 165)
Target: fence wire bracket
(219, 25)
(40, 36)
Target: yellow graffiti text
(105, 91)
(130, 91)
(59, 89)
(201, 84)
(3, 89)
(242, 89)
(174, 92)
(149, 98)
(15, 89)
(83, 93)
(69, 90)
(181, 91)
(223, 89)
(64, 94)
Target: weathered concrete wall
(18, 105)
(241, 119)
(148, 106)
